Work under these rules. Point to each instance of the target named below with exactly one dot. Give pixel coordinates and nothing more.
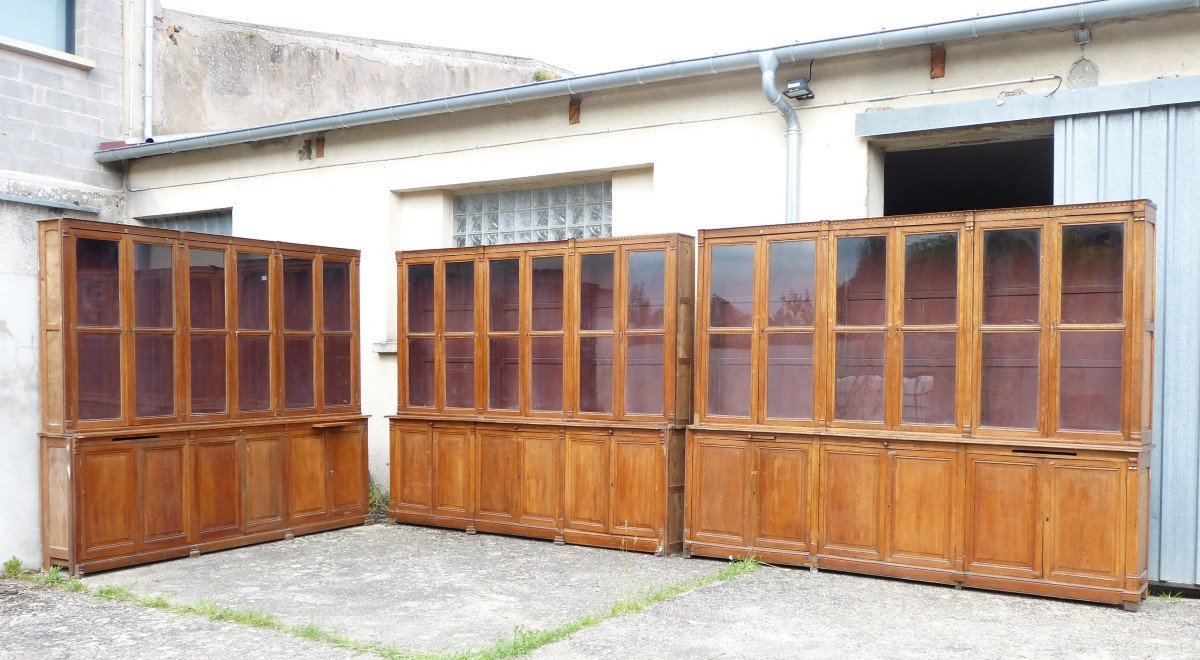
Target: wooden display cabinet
(544, 389)
(961, 398)
(198, 392)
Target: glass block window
(577, 210)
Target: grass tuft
(1168, 596)
(12, 568)
(377, 497)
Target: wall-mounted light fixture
(798, 89)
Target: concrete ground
(435, 590)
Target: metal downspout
(768, 63)
(148, 73)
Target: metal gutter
(1071, 14)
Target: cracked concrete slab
(419, 589)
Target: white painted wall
(683, 155)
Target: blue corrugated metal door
(1155, 154)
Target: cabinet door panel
(218, 479)
(497, 477)
(106, 502)
(347, 471)
(1085, 523)
(264, 483)
(307, 478)
(539, 485)
(851, 511)
(163, 522)
(587, 482)
(1004, 519)
(452, 484)
(637, 498)
(720, 510)
(921, 508)
(781, 497)
(412, 480)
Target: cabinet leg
(958, 586)
(470, 529)
(558, 540)
(195, 552)
(812, 568)
(289, 536)
(1131, 605)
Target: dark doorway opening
(976, 176)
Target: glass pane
(97, 283)
(729, 375)
(644, 386)
(206, 288)
(460, 297)
(1090, 383)
(48, 23)
(254, 373)
(338, 371)
(790, 376)
(420, 298)
(731, 301)
(547, 386)
(548, 293)
(460, 372)
(596, 292)
(927, 389)
(208, 374)
(861, 281)
(420, 372)
(1092, 269)
(152, 272)
(504, 294)
(298, 372)
(504, 373)
(792, 298)
(647, 289)
(931, 279)
(595, 374)
(99, 375)
(1009, 395)
(154, 387)
(858, 393)
(297, 294)
(1011, 275)
(335, 288)
(253, 292)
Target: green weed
(12, 567)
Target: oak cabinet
(537, 383)
(973, 388)
(176, 369)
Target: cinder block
(40, 77)
(9, 68)
(60, 101)
(16, 89)
(83, 87)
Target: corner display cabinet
(961, 398)
(544, 388)
(198, 392)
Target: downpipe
(148, 72)
(768, 64)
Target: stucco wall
(214, 74)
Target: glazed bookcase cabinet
(198, 392)
(544, 389)
(961, 398)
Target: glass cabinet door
(730, 329)
(207, 331)
(154, 330)
(254, 331)
(645, 311)
(504, 334)
(860, 332)
(337, 366)
(929, 330)
(458, 281)
(546, 333)
(597, 286)
(419, 335)
(1011, 331)
(98, 329)
(790, 329)
(298, 334)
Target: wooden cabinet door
(452, 472)
(217, 479)
(161, 468)
(718, 510)
(262, 465)
(538, 478)
(347, 470)
(852, 503)
(497, 474)
(308, 477)
(412, 469)
(588, 479)
(1004, 515)
(780, 495)
(637, 477)
(921, 507)
(1084, 526)
(108, 479)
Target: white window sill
(384, 347)
(69, 59)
